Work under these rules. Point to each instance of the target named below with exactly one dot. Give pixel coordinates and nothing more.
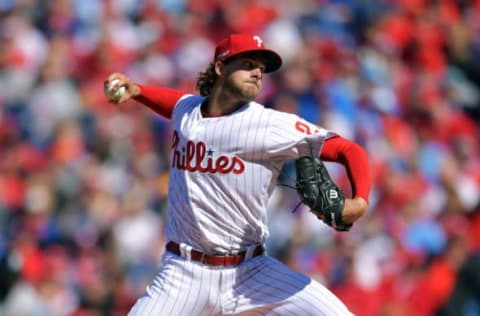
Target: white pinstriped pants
(259, 286)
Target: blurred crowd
(83, 183)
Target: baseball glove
(317, 190)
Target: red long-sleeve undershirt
(355, 160)
(162, 100)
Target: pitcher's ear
(220, 68)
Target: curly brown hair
(206, 79)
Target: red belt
(215, 260)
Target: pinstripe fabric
(223, 171)
(260, 286)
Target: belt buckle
(202, 258)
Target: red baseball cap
(236, 44)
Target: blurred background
(83, 183)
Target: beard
(242, 91)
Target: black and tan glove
(318, 191)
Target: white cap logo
(258, 40)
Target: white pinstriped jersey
(223, 170)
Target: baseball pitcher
(226, 153)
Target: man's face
(243, 77)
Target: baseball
(113, 92)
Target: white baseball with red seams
(222, 172)
(114, 92)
